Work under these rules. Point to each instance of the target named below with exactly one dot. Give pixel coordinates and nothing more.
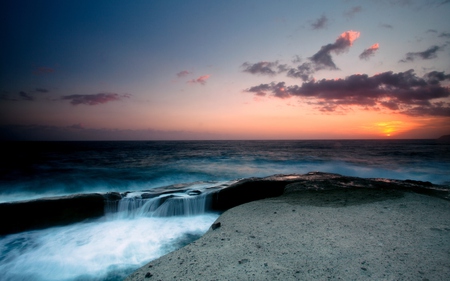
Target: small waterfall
(175, 204)
(182, 206)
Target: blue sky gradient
(101, 70)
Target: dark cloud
(296, 59)
(388, 26)
(428, 54)
(260, 90)
(436, 109)
(404, 92)
(94, 99)
(353, 11)
(200, 80)
(263, 68)
(77, 126)
(303, 71)
(41, 90)
(183, 73)
(5, 97)
(25, 96)
(322, 58)
(43, 70)
(445, 35)
(435, 77)
(369, 52)
(319, 23)
(278, 90)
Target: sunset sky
(206, 69)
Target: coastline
(330, 234)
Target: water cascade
(135, 205)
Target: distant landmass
(445, 137)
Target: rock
(215, 226)
(47, 212)
(194, 192)
(245, 191)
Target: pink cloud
(349, 37)
(367, 53)
(94, 99)
(201, 80)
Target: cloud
(320, 60)
(260, 90)
(323, 59)
(43, 70)
(319, 23)
(25, 96)
(41, 90)
(369, 52)
(435, 77)
(428, 54)
(445, 35)
(200, 80)
(94, 99)
(353, 11)
(77, 126)
(388, 26)
(264, 68)
(403, 92)
(304, 71)
(278, 90)
(5, 97)
(183, 73)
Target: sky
(210, 69)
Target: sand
(319, 235)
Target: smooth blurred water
(37, 169)
(113, 246)
(98, 250)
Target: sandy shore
(319, 235)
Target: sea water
(111, 247)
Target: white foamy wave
(90, 251)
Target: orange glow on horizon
(390, 128)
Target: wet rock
(194, 192)
(215, 226)
(47, 212)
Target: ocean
(110, 247)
